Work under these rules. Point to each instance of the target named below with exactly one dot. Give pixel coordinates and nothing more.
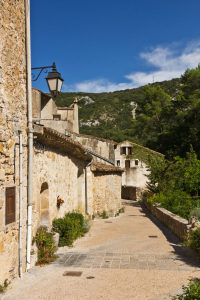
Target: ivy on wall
(144, 154)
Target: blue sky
(108, 45)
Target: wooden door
(10, 205)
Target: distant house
(134, 178)
(45, 112)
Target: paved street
(132, 256)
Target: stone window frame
(3, 198)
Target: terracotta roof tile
(65, 108)
(94, 137)
(98, 167)
(57, 140)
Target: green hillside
(109, 115)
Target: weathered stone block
(2, 175)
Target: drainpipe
(20, 203)
(86, 202)
(30, 132)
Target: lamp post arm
(42, 69)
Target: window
(129, 150)
(56, 117)
(123, 150)
(136, 162)
(127, 164)
(10, 205)
(118, 163)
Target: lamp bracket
(44, 69)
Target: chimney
(76, 123)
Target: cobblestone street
(128, 261)
(132, 256)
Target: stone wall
(176, 224)
(67, 113)
(106, 192)
(36, 104)
(129, 192)
(48, 107)
(60, 125)
(13, 109)
(100, 146)
(55, 174)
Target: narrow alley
(132, 256)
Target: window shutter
(10, 205)
(129, 150)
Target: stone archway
(44, 204)
(81, 190)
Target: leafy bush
(72, 226)
(104, 215)
(191, 292)
(3, 286)
(195, 212)
(122, 210)
(176, 201)
(193, 240)
(46, 245)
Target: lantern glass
(54, 81)
(52, 84)
(60, 82)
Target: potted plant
(60, 201)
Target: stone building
(134, 178)
(80, 170)
(13, 120)
(101, 149)
(106, 176)
(46, 112)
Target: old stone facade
(13, 109)
(61, 160)
(45, 112)
(134, 178)
(106, 189)
(102, 147)
(103, 180)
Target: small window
(56, 117)
(136, 162)
(129, 150)
(118, 163)
(127, 164)
(123, 150)
(10, 205)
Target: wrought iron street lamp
(54, 79)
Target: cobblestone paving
(127, 261)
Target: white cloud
(166, 62)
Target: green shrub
(193, 240)
(46, 245)
(72, 226)
(191, 292)
(176, 201)
(122, 210)
(86, 225)
(195, 212)
(3, 286)
(104, 215)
